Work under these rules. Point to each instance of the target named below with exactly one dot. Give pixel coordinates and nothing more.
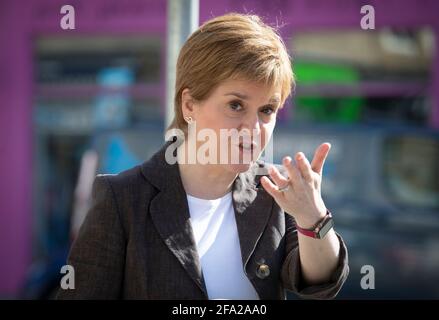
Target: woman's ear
(187, 103)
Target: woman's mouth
(247, 147)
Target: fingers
(270, 187)
(319, 157)
(279, 182)
(293, 171)
(304, 167)
(277, 177)
(302, 171)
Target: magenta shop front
(22, 24)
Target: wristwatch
(321, 229)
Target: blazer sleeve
(97, 254)
(291, 273)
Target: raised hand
(299, 194)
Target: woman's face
(247, 107)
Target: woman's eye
(267, 110)
(236, 106)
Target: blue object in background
(112, 108)
(116, 77)
(118, 156)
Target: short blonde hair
(232, 46)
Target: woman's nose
(252, 123)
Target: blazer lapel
(253, 206)
(170, 214)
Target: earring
(188, 119)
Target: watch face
(326, 227)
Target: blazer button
(263, 271)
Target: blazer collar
(169, 212)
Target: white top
(216, 236)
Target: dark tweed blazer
(137, 242)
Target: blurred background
(74, 103)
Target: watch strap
(321, 228)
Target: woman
(173, 228)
